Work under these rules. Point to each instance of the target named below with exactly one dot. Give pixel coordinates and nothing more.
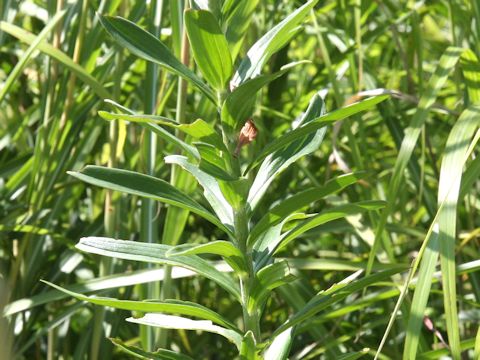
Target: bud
(247, 135)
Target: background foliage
(57, 64)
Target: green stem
(251, 319)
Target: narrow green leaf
(212, 191)
(334, 213)
(420, 297)
(156, 253)
(148, 47)
(148, 122)
(334, 294)
(471, 72)
(280, 346)
(238, 15)
(446, 64)
(177, 322)
(314, 125)
(300, 200)
(168, 306)
(146, 186)
(239, 104)
(161, 120)
(267, 242)
(476, 352)
(160, 354)
(267, 279)
(204, 132)
(209, 47)
(58, 55)
(225, 249)
(278, 161)
(453, 161)
(97, 284)
(214, 162)
(251, 66)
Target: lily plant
(234, 183)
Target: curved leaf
(300, 200)
(167, 306)
(238, 105)
(212, 191)
(58, 55)
(225, 249)
(209, 47)
(314, 125)
(148, 47)
(146, 186)
(177, 322)
(334, 294)
(334, 213)
(278, 161)
(156, 253)
(268, 44)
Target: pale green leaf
(177, 322)
(156, 253)
(167, 306)
(209, 47)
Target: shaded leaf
(148, 47)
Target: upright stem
(251, 319)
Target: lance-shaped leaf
(334, 294)
(114, 281)
(144, 121)
(199, 129)
(278, 161)
(267, 279)
(148, 47)
(204, 132)
(225, 249)
(146, 186)
(334, 213)
(300, 200)
(215, 162)
(269, 239)
(238, 105)
(238, 15)
(177, 322)
(212, 191)
(156, 253)
(209, 47)
(251, 66)
(456, 154)
(280, 346)
(160, 354)
(314, 125)
(168, 306)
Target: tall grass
(58, 65)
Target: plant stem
(251, 319)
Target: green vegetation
(218, 179)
